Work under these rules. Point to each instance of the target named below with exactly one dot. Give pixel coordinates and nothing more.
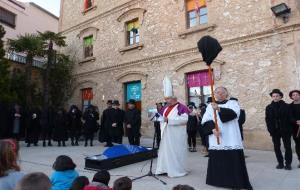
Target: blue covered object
(123, 150)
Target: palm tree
(32, 45)
(51, 39)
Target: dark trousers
(297, 145)
(46, 134)
(276, 138)
(157, 133)
(134, 139)
(74, 135)
(192, 138)
(117, 139)
(89, 139)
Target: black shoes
(288, 167)
(280, 166)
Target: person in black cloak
(47, 125)
(60, 130)
(117, 129)
(90, 126)
(4, 120)
(33, 127)
(295, 111)
(133, 123)
(226, 163)
(16, 121)
(104, 135)
(75, 124)
(278, 120)
(242, 118)
(159, 108)
(192, 127)
(204, 137)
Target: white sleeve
(208, 115)
(234, 105)
(178, 120)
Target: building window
(7, 17)
(133, 90)
(133, 32)
(196, 12)
(88, 46)
(198, 85)
(87, 97)
(88, 4)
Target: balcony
(21, 59)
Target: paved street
(261, 168)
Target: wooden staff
(298, 133)
(214, 100)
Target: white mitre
(168, 89)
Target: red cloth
(169, 109)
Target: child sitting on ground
(79, 183)
(123, 183)
(64, 173)
(100, 181)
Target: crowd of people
(58, 125)
(64, 175)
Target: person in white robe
(173, 149)
(226, 164)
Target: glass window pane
(193, 22)
(192, 14)
(206, 90)
(196, 100)
(203, 11)
(194, 91)
(137, 38)
(130, 41)
(131, 34)
(203, 19)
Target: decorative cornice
(131, 73)
(101, 15)
(87, 29)
(205, 27)
(196, 60)
(224, 43)
(123, 15)
(138, 46)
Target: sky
(52, 6)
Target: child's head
(102, 176)
(63, 163)
(34, 181)
(79, 183)
(8, 156)
(123, 183)
(183, 187)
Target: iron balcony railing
(21, 59)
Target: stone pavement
(261, 168)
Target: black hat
(209, 100)
(116, 102)
(131, 101)
(202, 105)
(291, 92)
(191, 104)
(209, 48)
(233, 98)
(276, 91)
(109, 102)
